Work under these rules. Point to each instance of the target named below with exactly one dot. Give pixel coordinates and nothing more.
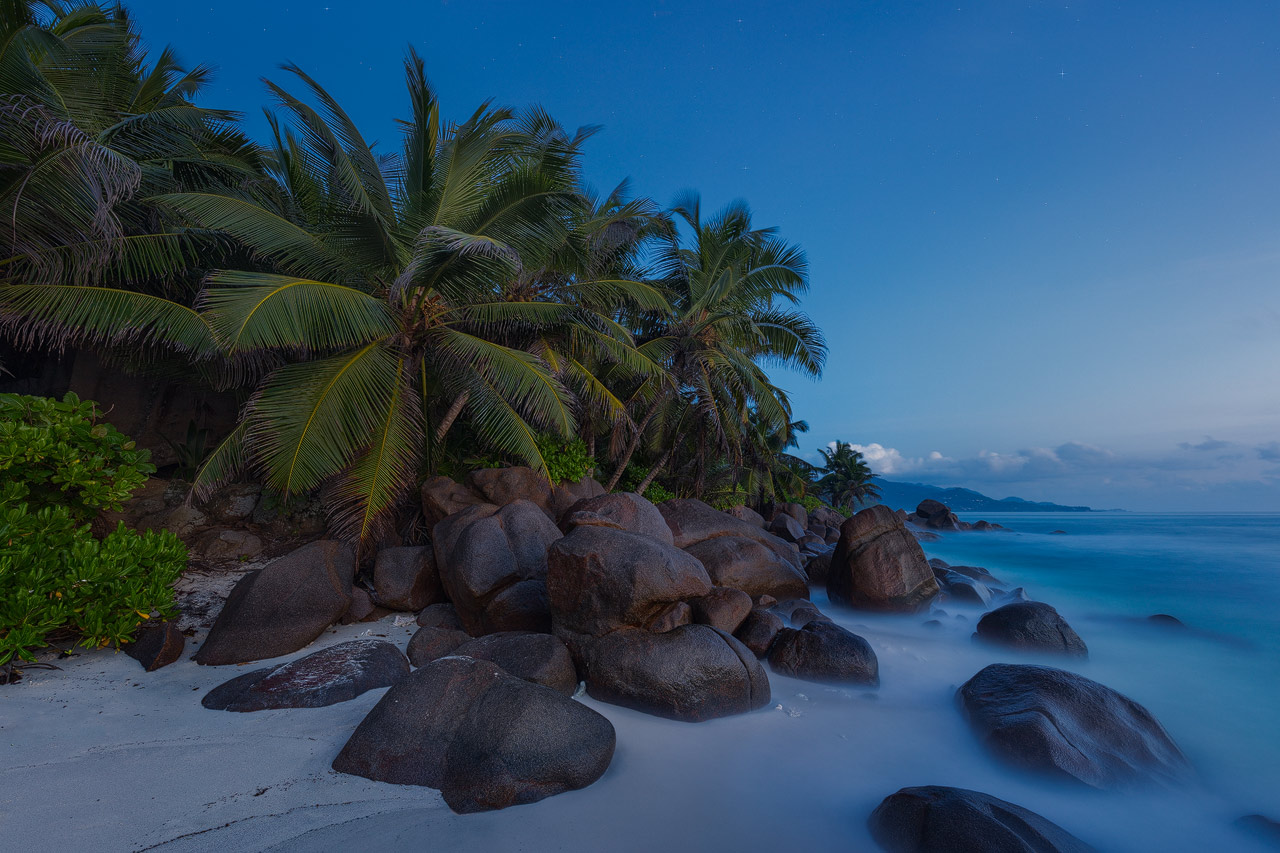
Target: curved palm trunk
(631, 446)
(452, 415)
(653, 472)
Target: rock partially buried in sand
(878, 565)
(823, 651)
(540, 658)
(1030, 626)
(283, 607)
(431, 643)
(485, 738)
(937, 819)
(336, 674)
(692, 673)
(1066, 726)
(156, 645)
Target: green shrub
(59, 465)
(566, 459)
(59, 453)
(655, 493)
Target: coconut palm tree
(733, 289)
(847, 479)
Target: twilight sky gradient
(1044, 238)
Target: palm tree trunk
(591, 453)
(631, 446)
(653, 472)
(452, 415)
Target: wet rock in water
(818, 568)
(878, 565)
(336, 674)
(602, 578)
(1030, 626)
(964, 590)
(936, 515)
(502, 486)
(938, 563)
(405, 578)
(986, 526)
(493, 565)
(428, 644)
(442, 497)
(748, 565)
(749, 515)
(933, 623)
(692, 521)
(692, 673)
(922, 535)
(439, 616)
(938, 819)
(977, 573)
(539, 658)
(1166, 620)
(1057, 532)
(155, 646)
(722, 608)
(622, 511)
(283, 607)
(1066, 726)
(486, 739)
(823, 651)
(799, 612)
(1262, 828)
(759, 630)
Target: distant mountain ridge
(908, 496)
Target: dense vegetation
(60, 464)
(465, 299)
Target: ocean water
(806, 772)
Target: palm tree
(847, 479)
(732, 289)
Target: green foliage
(59, 453)
(56, 577)
(655, 493)
(191, 452)
(809, 502)
(567, 460)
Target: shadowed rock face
(691, 673)
(1065, 725)
(156, 646)
(501, 486)
(759, 630)
(1031, 626)
(878, 565)
(722, 608)
(620, 510)
(283, 607)
(326, 677)
(406, 578)
(485, 738)
(540, 658)
(692, 521)
(430, 643)
(602, 578)
(442, 497)
(746, 564)
(823, 651)
(937, 819)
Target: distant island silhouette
(907, 496)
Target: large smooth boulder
(827, 516)
(540, 658)
(622, 511)
(962, 589)
(878, 565)
(937, 819)
(692, 521)
(818, 568)
(759, 631)
(692, 673)
(793, 510)
(1030, 626)
(485, 738)
(493, 565)
(326, 677)
(602, 578)
(442, 615)
(442, 497)
(405, 578)
(722, 608)
(565, 495)
(283, 607)
(786, 528)
(430, 643)
(746, 564)
(936, 515)
(1066, 726)
(823, 651)
(501, 486)
(747, 514)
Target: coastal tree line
(463, 300)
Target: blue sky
(1044, 238)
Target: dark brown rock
(1030, 626)
(1065, 726)
(486, 738)
(749, 515)
(565, 495)
(283, 607)
(692, 521)
(672, 616)
(692, 673)
(406, 578)
(799, 612)
(936, 819)
(501, 486)
(442, 497)
(827, 516)
(540, 658)
(621, 510)
(746, 564)
(878, 565)
(723, 608)
(493, 565)
(601, 578)
(336, 674)
(818, 567)
(786, 528)
(361, 607)
(440, 616)
(155, 646)
(759, 630)
(428, 644)
(823, 651)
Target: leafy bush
(566, 459)
(655, 493)
(59, 466)
(58, 453)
